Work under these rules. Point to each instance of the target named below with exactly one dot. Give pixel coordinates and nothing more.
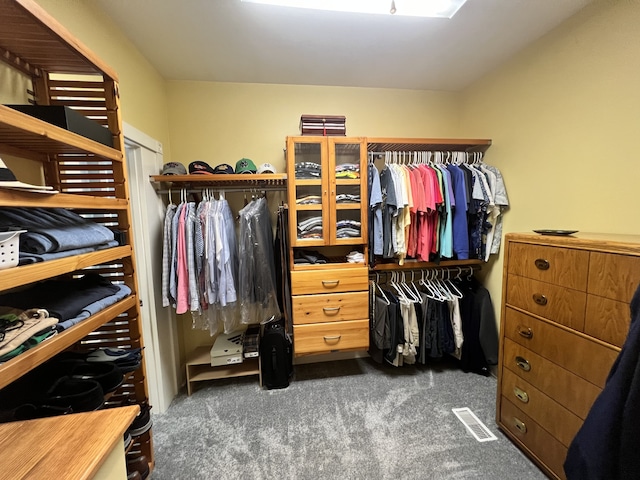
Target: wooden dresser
(330, 309)
(565, 315)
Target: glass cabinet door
(308, 192)
(347, 168)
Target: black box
(68, 119)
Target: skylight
(411, 8)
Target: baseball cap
(266, 168)
(245, 165)
(223, 168)
(200, 167)
(9, 180)
(173, 168)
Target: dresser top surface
(607, 242)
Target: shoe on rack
(143, 422)
(79, 395)
(107, 374)
(138, 464)
(127, 439)
(113, 354)
(29, 411)
(135, 475)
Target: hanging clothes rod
(247, 189)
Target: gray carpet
(341, 420)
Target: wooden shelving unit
(91, 179)
(199, 368)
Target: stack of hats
(199, 167)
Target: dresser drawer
(613, 276)
(560, 266)
(587, 359)
(551, 416)
(331, 337)
(329, 280)
(560, 304)
(559, 384)
(331, 307)
(607, 320)
(548, 450)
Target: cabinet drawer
(562, 305)
(548, 450)
(551, 416)
(566, 388)
(587, 359)
(331, 307)
(613, 276)
(560, 266)
(329, 281)
(607, 320)
(331, 337)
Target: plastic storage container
(10, 248)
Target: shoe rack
(91, 178)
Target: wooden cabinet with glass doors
(327, 178)
(327, 194)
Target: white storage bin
(9, 248)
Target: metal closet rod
(223, 189)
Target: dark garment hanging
(606, 446)
(478, 321)
(283, 280)
(395, 328)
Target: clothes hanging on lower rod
(224, 282)
(421, 322)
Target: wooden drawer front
(566, 388)
(587, 359)
(331, 307)
(614, 276)
(607, 320)
(329, 281)
(551, 416)
(560, 266)
(562, 305)
(548, 450)
(331, 337)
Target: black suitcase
(276, 356)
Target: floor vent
(474, 425)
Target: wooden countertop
(65, 447)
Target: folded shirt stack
(21, 330)
(310, 228)
(355, 257)
(308, 170)
(348, 229)
(348, 170)
(54, 233)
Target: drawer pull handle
(330, 283)
(542, 264)
(523, 363)
(521, 395)
(331, 310)
(525, 332)
(540, 299)
(332, 338)
(519, 424)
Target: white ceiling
(233, 41)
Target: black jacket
(606, 447)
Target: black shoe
(79, 395)
(142, 423)
(107, 374)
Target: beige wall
(142, 89)
(564, 118)
(223, 122)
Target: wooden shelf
(32, 41)
(23, 133)
(384, 144)
(16, 198)
(199, 368)
(26, 274)
(66, 446)
(417, 265)
(25, 362)
(238, 180)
